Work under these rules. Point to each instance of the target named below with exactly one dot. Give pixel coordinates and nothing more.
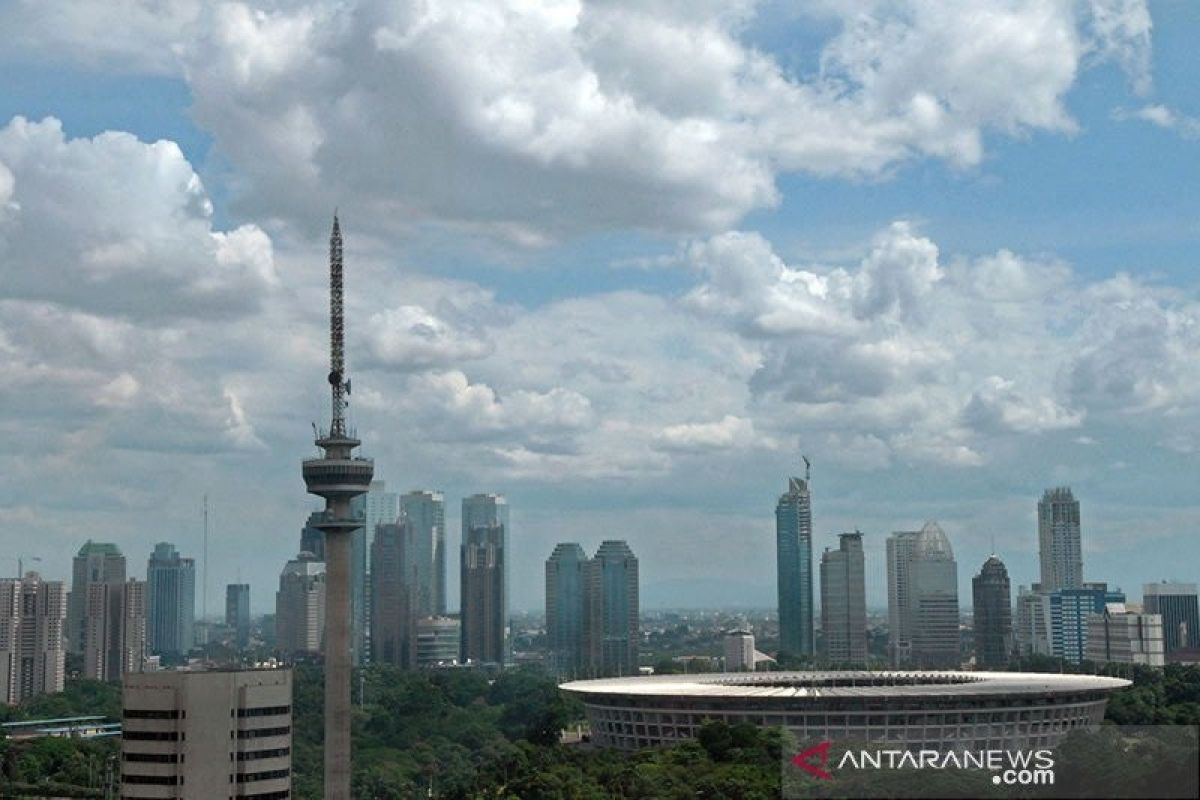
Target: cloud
(409, 337)
(115, 225)
(728, 432)
(529, 123)
(1164, 117)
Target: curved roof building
(929, 710)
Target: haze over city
(623, 270)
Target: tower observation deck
(338, 476)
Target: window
(134, 713)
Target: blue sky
(617, 261)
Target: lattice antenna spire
(338, 384)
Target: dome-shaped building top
(932, 543)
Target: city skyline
(955, 276)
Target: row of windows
(280, 795)
(152, 758)
(259, 733)
(154, 780)
(255, 755)
(271, 775)
(151, 736)
(134, 713)
(264, 711)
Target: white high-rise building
(739, 651)
(300, 606)
(1059, 540)
(114, 629)
(899, 566)
(32, 614)
(200, 735)
(1121, 636)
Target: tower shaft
(338, 476)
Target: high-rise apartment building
(565, 623)
(237, 612)
(200, 735)
(1120, 636)
(844, 603)
(900, 548)
(170, 601)
(300, 606)
(114, 628)
(1176, 603)
(425, 512)
(96, 562)
(933, 601)
(378, 506)
(393, 617)
(1059, 542)
(612, 633)
(483, 560)
(32, 614)
(793, 555)
(992, 604)
(739, 650)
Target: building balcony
(343, 478)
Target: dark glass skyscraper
(611, 609)
(393, 590)
(170, 601)
(793, 553)
(484, 579)
(992, 599)
(425, 513)
(237, 611)
(1177, 603)
(565, 608)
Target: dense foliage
(461, 734)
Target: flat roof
(844, 684)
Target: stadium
(913, 710)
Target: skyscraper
(1176, 603)
(484, 579)
(739, 650)
(1031, 629)
(992, 602)
(793, 554)
(170, 601)
(1069, 610)
(339, 477)
(300, 607)
(393, 621)
(114, 629)
(237, 612)
(900, 548)
(844, 602)
(612, 632)
(376, 507)
(200, 735)
(32, 613)
(1059, 540)
(933, 600)
(425, 512)
(96, 562)
(312, 538)
(565, 608)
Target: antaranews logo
(1009, 767)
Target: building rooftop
(844, 684)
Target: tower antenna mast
(807, 468)
(339, 387)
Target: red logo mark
(821, 751)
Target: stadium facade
(915, 710)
